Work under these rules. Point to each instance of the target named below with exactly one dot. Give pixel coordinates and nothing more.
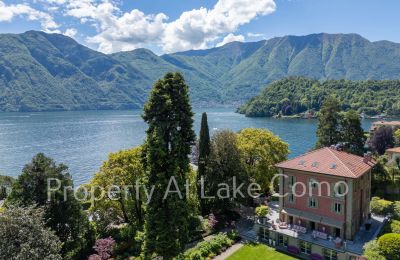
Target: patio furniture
(338, 242)
(283, 225)
(299, 229)
(319, 234)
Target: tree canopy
(24, 235)
(169, 139)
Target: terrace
(321, 239)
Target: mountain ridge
(54, 72)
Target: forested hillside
(295, 95)
(40, 71)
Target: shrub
(372, 251)
(262, 211)
(213, 247)
(392, 226)
(104, 248)
(396, 210)
(380, 206)
(389, 245)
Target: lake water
(83, 139)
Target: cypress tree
(204, 154)
(328, 131)
(169, 138)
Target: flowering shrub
(104, 248)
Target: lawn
(258, 252)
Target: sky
(167, 26)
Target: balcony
(319, 237)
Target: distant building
(376, 125)
(393, 154)
(323, 211)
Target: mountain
(296, 95)
(40, 71)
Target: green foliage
(396, 210)
(392, 226)
(296, 95)
(382, 139)
(64, 215)
(380, 206)
(53, 72)
(213, 247)
(389, 245)
(259, 252)
(328, 131)
(260, 150)
(204, 156)
(352, 133)
(169, 139)
(6, 183)
(123, 169)
(262, 211)
(397, 137)
(226, 165)
(24, 235)
(372, 251)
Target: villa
(393, 154)
(323, 210)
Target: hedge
(209, 249)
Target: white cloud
(195, 29)
(117, 30)
(255, 35)
(70, 32)
(8, 12)
(231, 38)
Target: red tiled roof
(394, 150)
(329, 161)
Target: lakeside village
(339, 201)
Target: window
(337, 208)
(266, 234)
(291, 180)
(283, 240)
(291, 198)
(305, 247)
(312, 202)
(330, 254)
(313, 183)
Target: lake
(83, 139)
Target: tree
(389, 245)
(382, 139)
(226, 166)
(353, 133)
(260, 150)
(204, 154)
(63, 215)
(24, 235)
(104, 249)
(123, 169)
(397, 137)
(328, 131)
(372, 251)
(262, 211)
(169, 139)
(380, 206)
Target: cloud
(255, 35)
(231, 38)
(70, 32)
(195, 29)
(8, 12)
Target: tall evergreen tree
(204, 154)
(352, 133)
(328, 131)
(169, 138)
